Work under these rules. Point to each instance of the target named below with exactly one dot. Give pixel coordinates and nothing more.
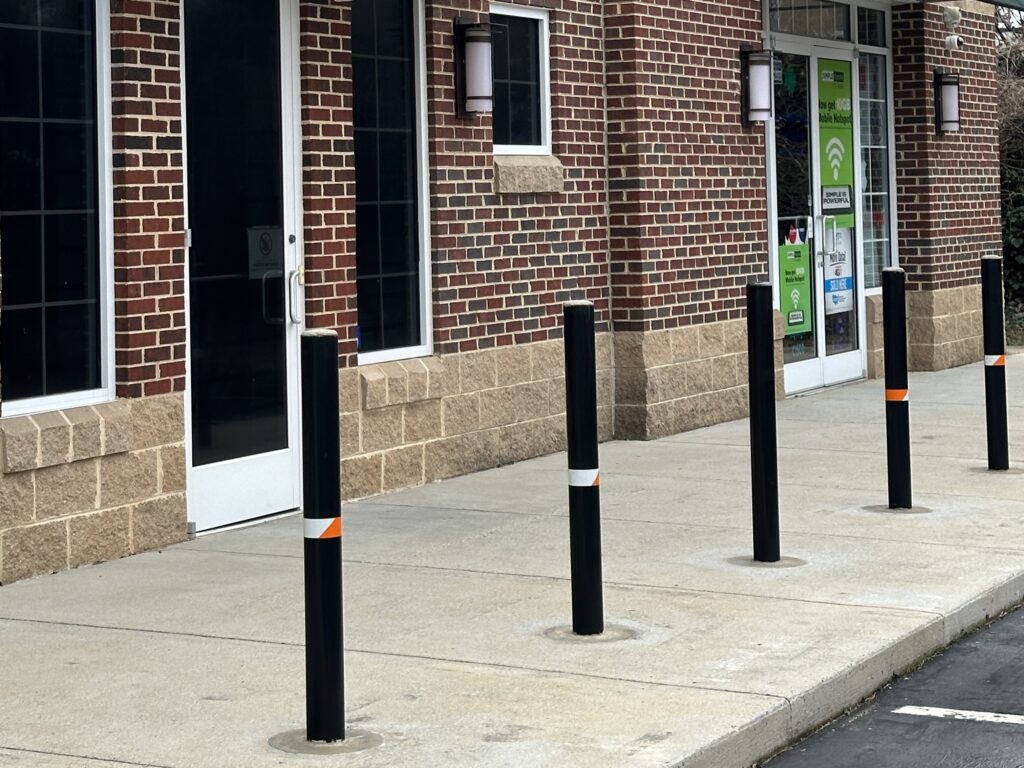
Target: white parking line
(961, 714)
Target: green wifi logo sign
(835, 150)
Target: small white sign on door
(266, 251)
(839, 272)
(836, 199)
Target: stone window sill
(528, 174)
(405, 381)
(62, 437)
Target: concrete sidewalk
(193, 657)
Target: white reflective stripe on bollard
(322, 528)
(584, 478)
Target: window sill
(33, 405)
(528, 174)
(401, 382)
(64, 436)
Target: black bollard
(995, 362)
(764, 463)
(897, 390)
(584, 476)
(321, 493)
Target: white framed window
(56, 210)
(522, 80)
(393, 275)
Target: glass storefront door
(819, 284)
(244, 307)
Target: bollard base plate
(886, 509)
(295, 743)
(750, 562)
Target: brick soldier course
(652, 204)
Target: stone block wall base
(685, 378)
(409, 423)
(944, 328)
(86, 485)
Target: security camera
(954, 42)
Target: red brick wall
(947, 186)
(149, 239)
(328, 176)
(687, 181)
(504, 265)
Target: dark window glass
(72, 335)
(19, 96)
(67, 73)
(366, 168)
(400, 328)
(69, 150)
(20, 162)
(394, 29)
(517, 86)
(387, 217)
(397, 249)
(66, 14)
(49, 196)
(19, 12)
(367, 240)
(236, 213)
(69, 277)
(21, 262)
(21, 335)
(371, 331)
(812, 18)
(396, 102)
(397, 164)
(871, 27)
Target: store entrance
(819, 269)
(245, 311)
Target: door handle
(295, 277)
(267, 318)
(825, 221)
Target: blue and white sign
(839, 272)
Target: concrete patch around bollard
(613, 633)
(785, 562)
(885, 510)
(295, 743)
(987, 471)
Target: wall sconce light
(947, 103)
(474, 86)
(757, 69)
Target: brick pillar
(328, 170)
(687, 205)
(149, 209)
(947, 186)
